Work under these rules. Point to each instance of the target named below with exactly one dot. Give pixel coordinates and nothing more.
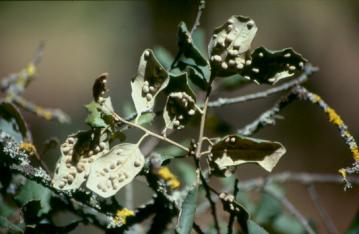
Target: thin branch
(328, 222)
(202, 5)
(268, 117)
(197, 228)
(220, 102)
(337, 121)
(284, 177)
(232, 215)
(293, 210)
(149, 132)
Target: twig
(220, 102)
(328, 222)
(284, 177)
(293, 210)
(336, 120)
(268, 117)
(197, 228)
(149, 132)
(202, 5)
(232, 215)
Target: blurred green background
(84, 39)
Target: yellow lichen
(334, 117)
(316, 98)
(31, 69)
(28, 148)
(121, 215)
(355, 152)
(44, 113)
(169, 177)
(343, 172)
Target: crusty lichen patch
(169, 177)
(121, 215)
(28, 148)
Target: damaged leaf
(100, 114)
(180, 108)
(12, 122)
(115, 169)
(271, 66)
(99, 87)
(235, 150)
(78, 153)
(150, 80)
(188, 48)
(230, 44)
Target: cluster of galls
(153, 81)
(229, 45)
(180, 107)
(229, 203)
(115, 176)
(85, 157)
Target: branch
(336, 120)
(268, 117)
(232, 215)
(328, 222)
(18, 161)
(202, 5)
(293, 210)
(308, 70)
(284, 177)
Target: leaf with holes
(230, 44)
(269, 67)
(180, 108)
(78, 153)
(188, 48)
(115, 169)
(235, 150)
(150, 80)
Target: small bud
(256, 70)
(248, 62)
(146, 54)
(287, 55)
(260, 55)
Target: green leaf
(288, 224)
(268, 67)
(94, 119)
(5, 209)
(179, 83)
(187, 46)
(150, 80)
(199, 40)
(234, 150)
(33, 191)
(78, 153)
(268, 209)
(234, 82)
(254, 228)
(146, 118)
(5, 223)
(163, 56)
(354, 226)
(115, 169)
(188, 211)
(180, 108)
(186, 172)
(199, 75)
(12, 122)
(229, 45)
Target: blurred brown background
(84, 39)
